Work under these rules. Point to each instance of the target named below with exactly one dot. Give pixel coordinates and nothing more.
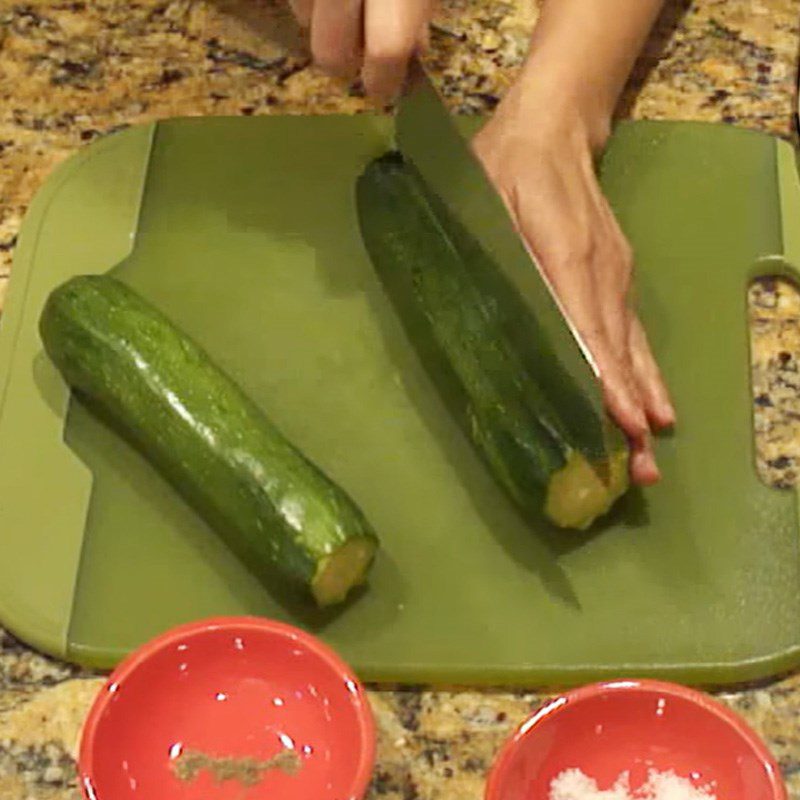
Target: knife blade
(426, 135)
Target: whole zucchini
(264, 498)
(541, 439)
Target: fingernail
(631, 417)
(663, 416)
(644, 470)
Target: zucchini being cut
(264, 498)
(542, 440)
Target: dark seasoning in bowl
(248, 771)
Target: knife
(426, 135)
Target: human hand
(538, 149)
(375, 38)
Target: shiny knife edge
(418, 81)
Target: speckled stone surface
(71, 71)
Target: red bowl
(229, 688)
(607, 729)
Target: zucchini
(264, 497)
(544, 442)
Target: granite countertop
(71, 71)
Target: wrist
(555, 96)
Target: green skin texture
(264, 498)
(465, 326)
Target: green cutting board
(244, 232)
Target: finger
(336, 33)
(614, 277)
(302, 10)
(657, 403)
(645, 372)
(620, 394)
(617, 318)
(622, 404)
(391, 29)
(574, 282)
(643, 468)
(614, 269)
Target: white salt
(572, 784)
(669, 786)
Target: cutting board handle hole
(774, 323)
